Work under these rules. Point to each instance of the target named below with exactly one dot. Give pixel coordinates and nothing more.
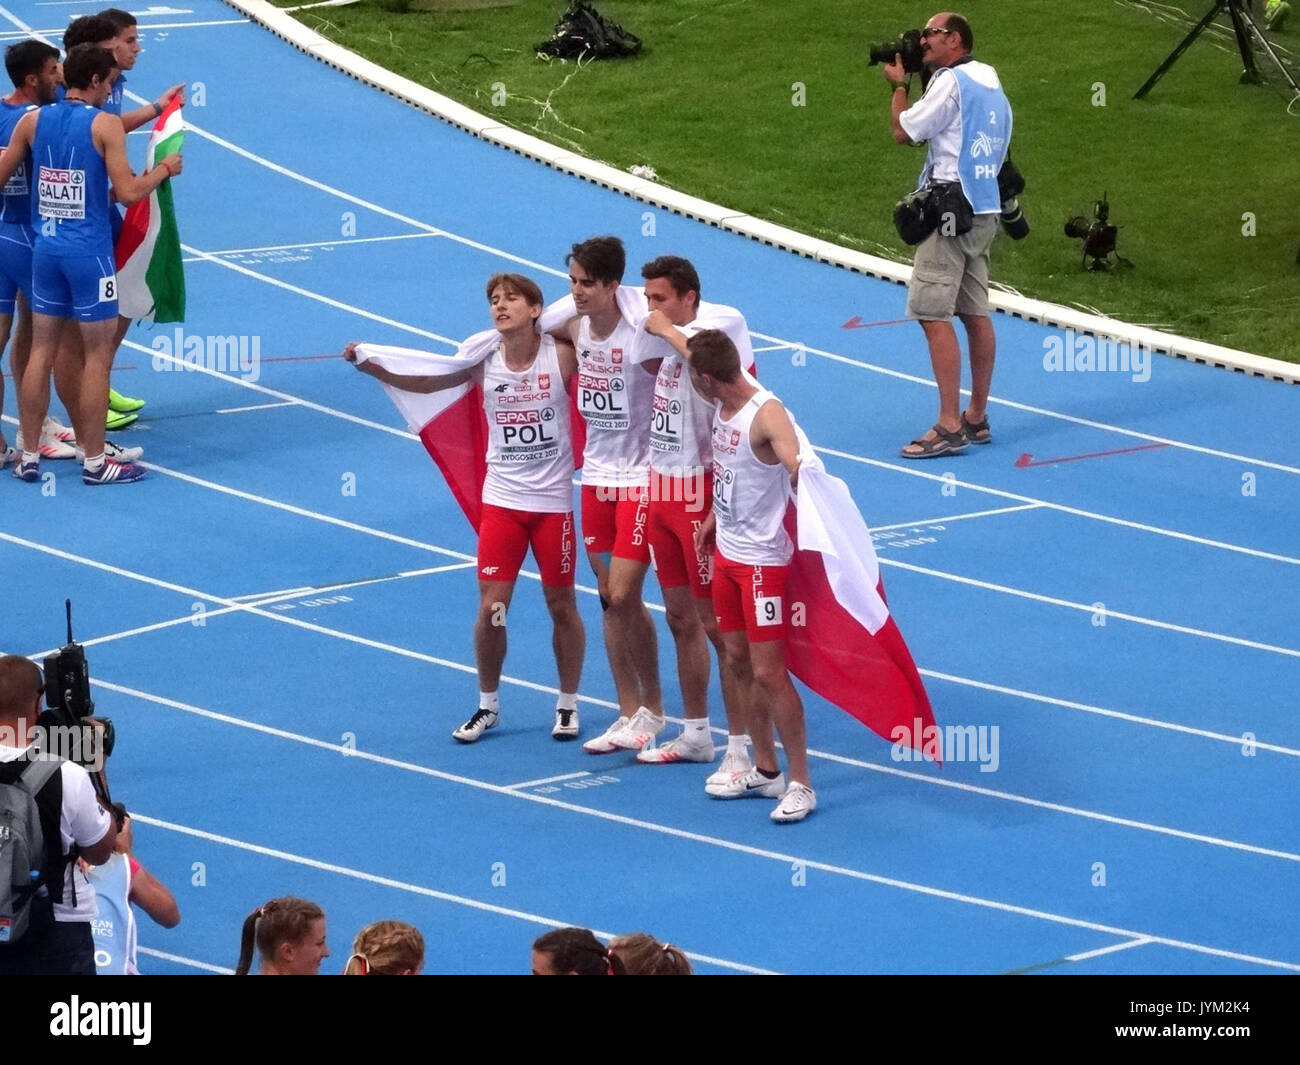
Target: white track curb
(288, 28)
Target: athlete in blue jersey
(77, 152)
(116, 31)
(34, 68)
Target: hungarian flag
(150, 277)
(451, 424)
(848, 648)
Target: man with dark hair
(80, 152)
(965, 117)
(614, 398)
(33, 67)
(528, 491)
(755, 464)
(73, 825)
(681, 483)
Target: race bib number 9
(767, 609)
(61, 193)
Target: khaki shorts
(950, 275)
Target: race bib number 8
(107, 289)
(62, 193)
(767, 609)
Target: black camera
(1011, 183)
(908, 46)
(69, 708)
(1098, 235)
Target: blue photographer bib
(985, 137)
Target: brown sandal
(976, 433)
(944, 443)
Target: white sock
(95, 464)
(736, 745)
(567, 701)
(31, 456)
(696, 729)
(488, 701)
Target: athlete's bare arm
(408, 382)
(20, 142)
(568, 356)
(773, 439)
(706, 534)
(108, 137)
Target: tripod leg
(1250, 75)
(1187, 42)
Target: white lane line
(954, 517)
(414, 889)
(1091, 608)
(968, 681)
(309, 244)
(285, 619)
(203, 965)
(57, 32)
(1139, 942)
(724, 844)
(322, 630)
(1118, 715)
(255, 406)
(550, 780)
(329, 301)
(258, 599)
(1061, 507)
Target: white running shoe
(9, 455)
(732, 764)
(749, 785)
(797, 803)
(566, 725)
(640, 731)
(482, 720)
(679, 750)
(113, 451)
(57, 441)
(603, 744)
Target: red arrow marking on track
(1026, 459)
(857, 323)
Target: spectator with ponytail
(573, 952)
(643, 955)
(386, 948)
(290, 937)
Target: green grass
(709, 105)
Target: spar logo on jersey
(548, 414)
(616, 355)
(543, 381)
(518, 417)
(595, 384)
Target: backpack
(25, 866)
(583, 32)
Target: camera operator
(58, 939)
(965, 117)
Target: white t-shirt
(81, 822)
(936, 117)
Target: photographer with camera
(965, 117)
(49, 817)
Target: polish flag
(849, 649)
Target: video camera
(69, 707)
(1098, 235)
(908, 46)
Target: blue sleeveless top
(70, 209)
(16, 198)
